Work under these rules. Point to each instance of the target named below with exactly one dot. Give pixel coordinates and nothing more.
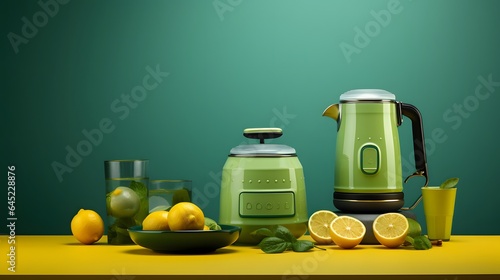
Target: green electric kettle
(368, 171)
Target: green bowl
(185, 241)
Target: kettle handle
(414, 115)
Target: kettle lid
(367, 95)
(263, 149)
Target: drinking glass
(164, 194)
(126, 197)
(439, 206)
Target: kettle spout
(332, 111)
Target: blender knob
(263, 133)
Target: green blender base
(367, 220)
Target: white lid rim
(367, 95)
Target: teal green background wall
(233, 65)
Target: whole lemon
(124, 202)
(186, 215)
(87, 226)
(157, 220)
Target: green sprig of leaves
(142, 191)
(420, 242)
(279, 239)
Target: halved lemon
(319, 224)
(347, 232)
(391, 229)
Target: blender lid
(367, 95)
(263, 150)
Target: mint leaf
(422, 243)
(279, 239)
(302, 245)
(139, 188)
(261, 233)
(211, 224)
(117, 232)
(419, 242)
(272, 245)
(264, 232)
(142, 191)
(283, 233)
(125, 223)
(450, 183)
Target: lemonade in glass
(126, 197)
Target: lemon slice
(347, 232)
(391, 229)
(318, 226)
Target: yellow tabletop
(464, 257)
